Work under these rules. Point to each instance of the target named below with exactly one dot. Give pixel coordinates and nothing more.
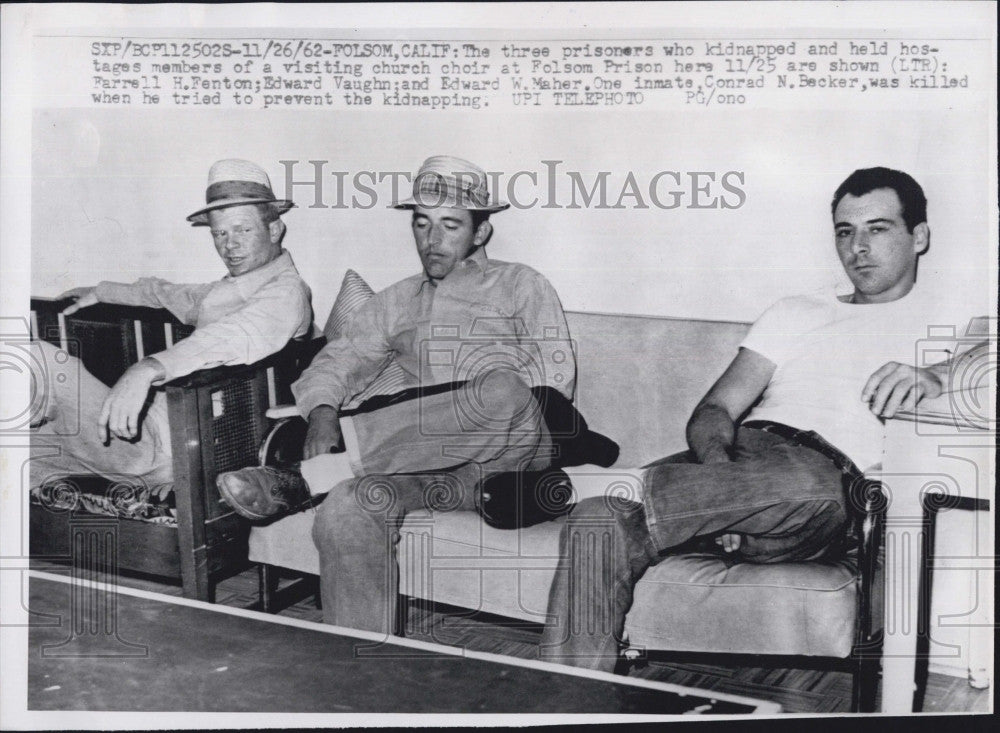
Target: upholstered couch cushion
(702, 603)
(286, 543)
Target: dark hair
(866, 180)
(478, 217)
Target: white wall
(110, 191)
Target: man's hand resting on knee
(323, 434)
(123, 405)
(711, 430)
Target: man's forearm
(137, 293)
(337, 372)
(155, 368)
(323, 434)
(710, 433)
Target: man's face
(444, 238)
(243, 239)
(879, 255)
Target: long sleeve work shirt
(484, 314)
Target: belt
(808, 439)
(410, 393)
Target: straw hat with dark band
(453, 183)
(235, 182)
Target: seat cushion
(699, 602)
(458, 559)
(286, 543)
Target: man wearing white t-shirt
(800, 406)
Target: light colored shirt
(825, 350)
(484, 314)
(237, 320)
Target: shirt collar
(476, 262)
(266, 273)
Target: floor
(816, 689)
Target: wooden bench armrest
(219, 375)
(290, 360)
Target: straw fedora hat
(234, 182)
(454, 183)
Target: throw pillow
(355, 292)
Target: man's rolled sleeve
(180, 299)
(348, 364)
(270, 319)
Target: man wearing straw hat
(251, 313)
(481, 342)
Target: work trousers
(426, 453)
(67, 440)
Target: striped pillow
(354, 292)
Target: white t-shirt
(825, 350)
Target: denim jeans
(787, 502)
(356, 529)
